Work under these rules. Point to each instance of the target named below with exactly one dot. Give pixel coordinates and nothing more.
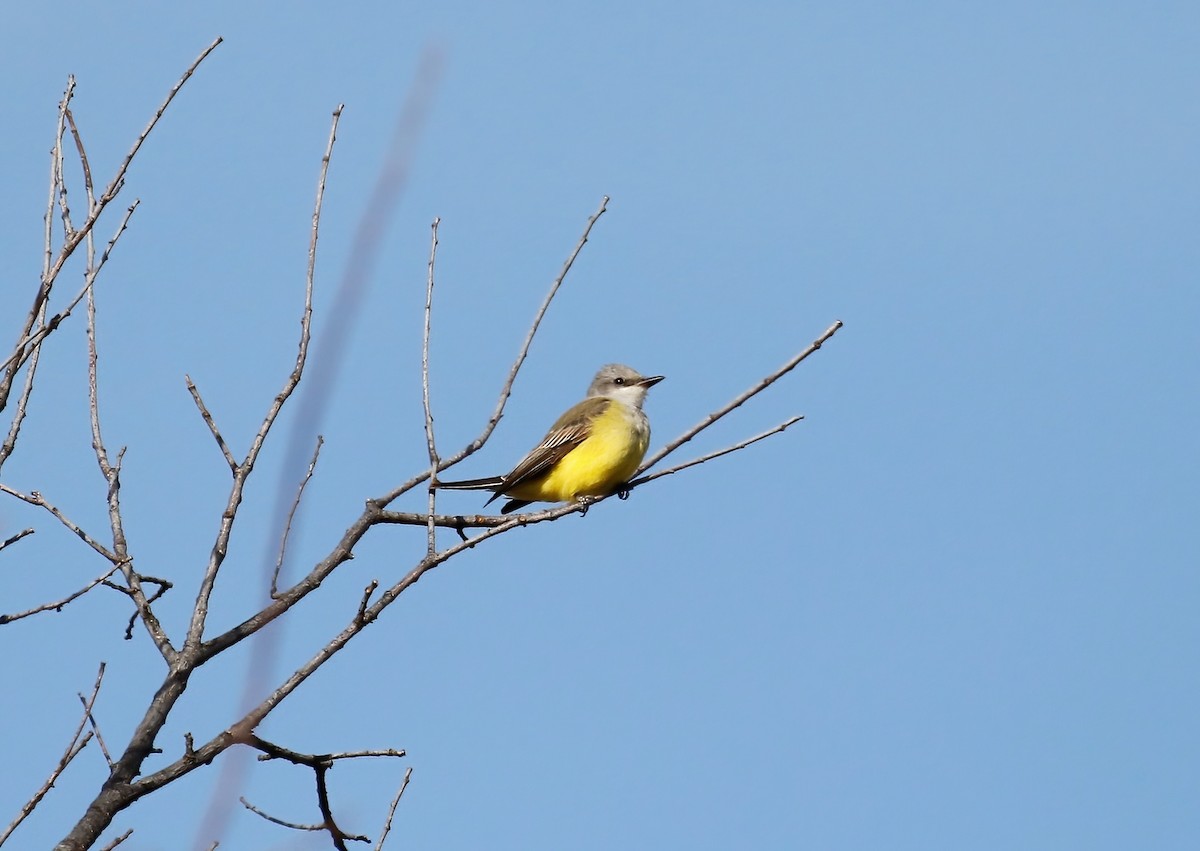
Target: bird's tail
(489, 484)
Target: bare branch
(30, 348)
(35, 498)
(72, 238)
(366, 599)
(506, 390)
(430, 534)
(362, 618)
(63, 203)
(57, 605)
(272, 751)
(14, 429)
(457, 522)
(241, 730)
(320, 764)
(276, 820)
(8, 542)
(73, 748)
(387, 825)
(115, 794)
(106, 468)
(287, 528)
(162, 586)
(110, 846)
(740, 399)
(56, 180)
(241, 473)
(83, 159)
(783, 426)
(96, 729)
(119, 179)
(25, 348)
(212, 425)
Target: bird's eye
(618, 380)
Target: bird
(590, 451)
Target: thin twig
(506, 390)
(73, 748)
(56, 180)
(276, 820)
(211, 423)
(457, 522)
(272, 751)
(57, 605)
(35, 498)
(24, 533)
(119, 179)
(14, 429)
(91, 717)
(102, 459)
(64, 205)
(287, 528)
(110, 846)
(783, 426)
(83, 159)
(430, 533)
(71, 240)
(37, 312)
(320, 764)
(740, 399)
(25, 348)
(387, 825)
(162, 586)
(366, 598)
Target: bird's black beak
(651, 381)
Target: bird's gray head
(623, 384)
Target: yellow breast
(613, 450)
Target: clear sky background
(955, 608)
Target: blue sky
(954, 608)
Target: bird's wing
(570, 430)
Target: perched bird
(591, 450)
